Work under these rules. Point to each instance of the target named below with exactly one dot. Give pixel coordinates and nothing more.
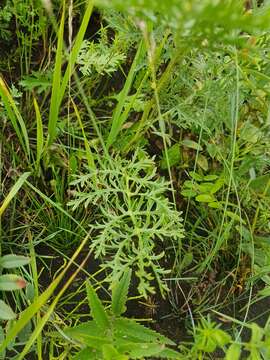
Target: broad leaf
(88, 328)
(210, 177)
(93, 341)
(129, 328)
(234, 352)
(13, 261)
(97, 310)
(6, 313)
(261, 184)
(205, 198)
(191, 144)
(87, 354)
(11, 282)
(120, 292)
(170, 354)
(141, 350)
(110, 353)
(174, 156)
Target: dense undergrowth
(134, 147)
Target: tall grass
(15, 117)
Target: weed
(133, 215)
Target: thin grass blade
(118, 119)
(89, 155)
(15, 116)
(76, 48)
(55, 104)
(13, 192)
(40, 137)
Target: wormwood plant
(110, 336)
(135, 221)
(100, 57)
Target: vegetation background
(134, 179)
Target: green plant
(203, 188)
(208, 336)
(10, 282)
(111, 336)
(101, 57)
(186, 84)
(5, 17)
(8, 97)
(210, 340)
(134, 220)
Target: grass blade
(89, 155)
(28, 314)
(34, 269)
(40, 325)
(56, 205)
(55, 104)
(13, 192)
(15, 116)
(40, 137)
(76, 48)
(58, 88)
(119, 117)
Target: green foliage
(97, 311)
(185, 81)
(120, 293)
(194, 19)
(123, 108)
(101, 57)
(111, 336)
(204, 188)
(24, 12)
(10, 282)
(37, 80)
(13, 192)
(133, 217)
(5, 17)
(208, 338)
(14, 115)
